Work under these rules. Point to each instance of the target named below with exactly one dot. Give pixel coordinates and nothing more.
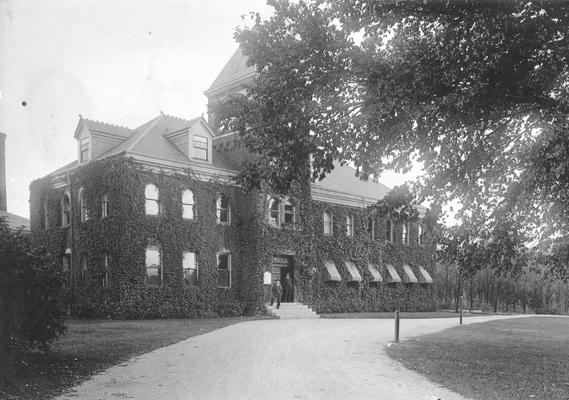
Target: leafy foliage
(475, 90)
(29, 295)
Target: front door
(282, 269)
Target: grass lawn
(526, 358)
(90, 346)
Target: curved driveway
(276, 359)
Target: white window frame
(149, 199)
(188, 203)
(159, 265)
(188, 268)
(84, 149)
(198, 149)
(220, 210)
(350, 225)
(105, 206)
(219, 255)
(328, 222)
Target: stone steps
(291, 311)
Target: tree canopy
(477, 91)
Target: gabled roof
(236, 69)
(15, 221)
(103, 127)
(342, 179)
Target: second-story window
(328, 223)
(105, 206)
(405, 233)
(83, 205)
(223, 209)
(349, 225)
(152, 203)
(188, 206)
(84, 149)
(420, 234)
(200, 148)
(65, 210)
(288, 213)
(274, 211)
(389, 230)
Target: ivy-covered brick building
(148, 222)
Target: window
(188, 206)
(84, 149)
(105, 276)
(224, 270)
(153, 266)
(371, 227)
(389, 230)
(65, 210)
(105, 206)
(420, 234)
(349, 225)
(152, 203)
(190, 267)
(83, 272)
(200, 148)
(405, 232)
(281, 213)
(289, 218)
(45, 216)
(83, 205)
(223, 209)
(274, 211)
(66, 263)
(328, 223)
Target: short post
(460, 308)
(397, 326)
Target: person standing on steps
(287, 289)
(277, 292)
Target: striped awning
(374, 272)
(354, 273)
(409, 276)
(424, 276)
(393, 275)
(331, 272)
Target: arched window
(188, 206)
(105, 206)
(65, 210)
(389, 230)
(152, 203)
(289, 213)
(328, 223)
(274, 211)
(83, 205)
(223, 209)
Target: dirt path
(276, 359)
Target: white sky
(116, 61)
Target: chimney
(3, 200)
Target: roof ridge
(135, 141)
(180, 118)
(105, 123)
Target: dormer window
(84, 149)
(201, 148)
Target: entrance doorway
(282, 268)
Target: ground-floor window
(190, 267)
(153, 266)
(224, 270)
